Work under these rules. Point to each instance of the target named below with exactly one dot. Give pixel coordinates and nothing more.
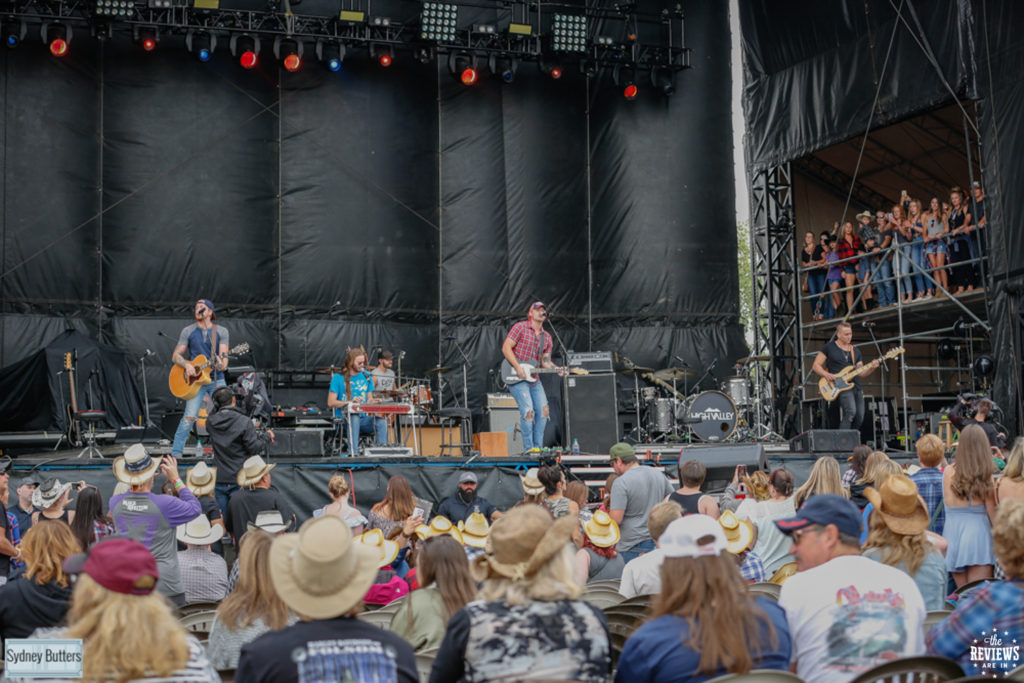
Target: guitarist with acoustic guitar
(202, 338)
(527, 348)
(833, 357)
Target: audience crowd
(827, 579)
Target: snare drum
(421, 395)
(648, 394)
(661, 415)
(738, 389)
(711, 415)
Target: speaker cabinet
(290, 443)
(506, 419)
(721, 461)
(825, 441)
(590, 412)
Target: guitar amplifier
(594, 362)
(501, 401)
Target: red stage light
(58, 47)
(556, 72)
(292, 62)
(148, 44)
(630, 92)
(385, 60)
(469, 76)
(248, 59)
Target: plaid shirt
(992, 609)
(847, 250)
(204, 574)
(752, 568)
(848, 477)
(929, 485)
(15, 536)
(527, 345)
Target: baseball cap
(208, 304)
(693, 536)
(824, 509)
(387, 355)
(119, 564)
(538, 304)
(621, 451)
(31, 478)
(467, 478)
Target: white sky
(742, 200)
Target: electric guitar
(509, 376)
(72, 408)
(185, 387)
(843, 381)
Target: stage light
(661, 78)
(384, 54)
(351, 16)
(385, 60)
(505, 67)
(550, 68)
(58, 37)
(147, 37)
(569, 33)
(520, 29)
(13, 33)
(463, 68)
(122, 9)
(247, 49)
(437, 22)
(588, 68)
(290, 54)
(984, 366)
(331, 54)
(630, 91)
(201, 44)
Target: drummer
(383, 375)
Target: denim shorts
(850, 268)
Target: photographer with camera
(980, 408)
(235, 439)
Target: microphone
(162, 333)
(867, 324)
(450, 336)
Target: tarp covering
(372, 206)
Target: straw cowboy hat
(474, 530)
(602, 530)
(321, 572)
(438, 526)
(201, 479)
(199, 531)
(136, 466)
(48, 493)
(531, 482)
(522, 542)
(739, 533)
(387, 550)
(253, 470)
(271, 521)
(901, 507)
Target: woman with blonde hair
(824, 478)
(703, 623)
(772, 545)
(338, 489)
(445, 587)
(1010, 484)
(40, 598)
(968, 494)
(897, 536)
(528, 621)
(252, 608)
(396, 508)
(874, 459)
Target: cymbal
(636, 370)
(330, 370)
(669, 374)
(755, 359)
(440, 370)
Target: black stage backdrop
(373, 206)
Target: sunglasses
(798, 535)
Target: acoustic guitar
(508, 373)
(185, 387)
(844, 378)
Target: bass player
(833, 357)
(199, 339)
(529, 342)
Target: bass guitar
(844, 378)
(185, 387)
(72, 408)
(509, 376)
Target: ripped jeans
(533, 412)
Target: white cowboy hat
(270, 521)
(201, 479)
(253, 470)
(602, 530)
(199, 532)
(48, 493)
(475, 530)
(374, 538)
(136, 466)
(321, 572)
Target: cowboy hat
(900, 506)
(201, 479)
(602, 530)
(474, 530)
(321, 572)
(387, 550)
(522, 542)
(199, 531)
(135, 467)
(48, 493)
(531, 482)
(439, 525)
(253, 470)
(739, 533)
(271, 521)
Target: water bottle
(199, 447)
(575, 446)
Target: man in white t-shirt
(642, 576)
(634, 493)
(846, 613)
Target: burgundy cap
(538, 304)
(122, 565)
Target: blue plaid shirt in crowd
(12, 524)
(992, 609)
(929, 485)
(752, 568)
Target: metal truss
(776, 323)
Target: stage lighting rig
(289, 51)
(147, 37)
(13, 32)
(663, 79)
(247, 49)
(331, 54)
(57, 37)
(505, 67)
(201, 44)
(550, 67)
(569, 33)
(384, 54)
(463, 68)
(114, 9)
(437, 22)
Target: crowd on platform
(909, 251)
(855, 560)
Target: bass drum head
(711, 415)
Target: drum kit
(676, 409)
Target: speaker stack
(589, 403)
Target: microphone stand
(885, 371)
(465, 364)
(565, 353)
(696, 385)
(145, 390)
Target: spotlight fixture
(331, 54)
(569, 33)
(463, 68)
(146, 37)
(201, 44)
(58, 37)
(550, 68)
(289, 51)
(505, 67)
(661, 78)
(589, 68)
(121, 9)
(630, 91)
(984, 366)
(13, 33)
(247, 49)
(384, 54)
(437, 22)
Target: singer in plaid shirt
(528, 342)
